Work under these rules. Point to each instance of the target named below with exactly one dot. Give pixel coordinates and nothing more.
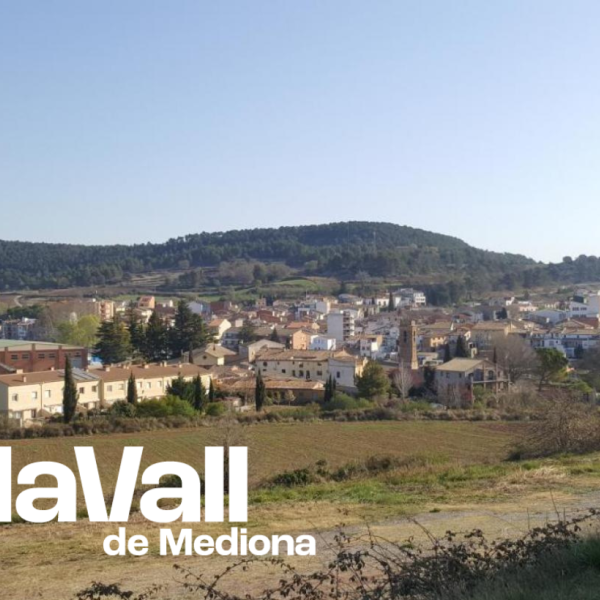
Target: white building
(322, 342)
(341, 325)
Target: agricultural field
(449, 476)
(274, 448)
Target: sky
(134, 121)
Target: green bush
(169, 406)
(215, 409)
(123, 409)
(345, 402)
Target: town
(312, 349)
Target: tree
(330, 387)
(81, 333)
(70, 394)
(211, 391)
(156, 339)
(198, 393)
(189, 330)
(247, 332)
(373, 382)
(551, 366)
(515, 356)
(260, 392)
(114, 343)
(136, 330)
(181, 388)
(275, 336)
(447, 353)
(462, 349)
(403, 380)
(391, 307)
(132, 395)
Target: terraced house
(29, 396)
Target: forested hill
(337, 249)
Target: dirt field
(465, 485)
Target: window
(82, 390)
(121, 386)
(109, 388)
(14, 357)
(338, 375)
(264, 364)
(41, 355)
(15, 397)
(148, 384)
(94, 388)
(283, 370)
(48, 394)
(25, 356)
(51, 355)
(34, 395)
(159, 384)
(319, 373)
(301, 373)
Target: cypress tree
(199, 394)
(70, 394)
(132, 395)
(275, 336)
(391, 307)
(462, 350)
(447, 353)
(211, 391)
(260, 392)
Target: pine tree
(189, 331)
(132, 396)
(70, 394)
(114, 342)
(260, 392)
(199, 393)
(247, 332)
(156, 339)
(373, 381)
(136, 331)
(181, 388)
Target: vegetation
(349, 251)
(260, 392)
(373, 382)
(70, 393)
(132, 395)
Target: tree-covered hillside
(339, 249)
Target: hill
(342, 250)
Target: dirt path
(53, 561)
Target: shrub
(215, 409)
(345, 402)
(123, 409)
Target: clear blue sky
(129, 120)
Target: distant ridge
(337, 249)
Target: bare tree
(515, 356)
(403, 380)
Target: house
(19, 329)
(27, 396)
(456, 380)
(152, 380)
(249, 351)
(322, 342)
(218, 327)
(145, 303)
(211, 355)
(311, 365)
(39, 356)
(300, 339)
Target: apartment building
(39, 356)
(341, 325)
(27, 396)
